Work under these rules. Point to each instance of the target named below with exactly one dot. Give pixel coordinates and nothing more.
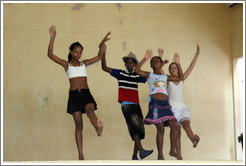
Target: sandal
(145, 153)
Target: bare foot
(81, 157)
(195, 140)
(160, 157)
(99, 128)
(178, 157)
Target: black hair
(156, 57)
(73, 46)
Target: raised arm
(138, 70)
(104, 65)
(188, 71)
(102, 50)
(55, 58)
(180, 72)
(161, 52)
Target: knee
(79, 126)
(174, 126)
(89, 110)
(185, 125)
(160, 130)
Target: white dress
(176, 100)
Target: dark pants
(134, 119)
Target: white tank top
(76, 71)
(176, 94)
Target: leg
(194, 138)
(138, 144)
(78, 133)
(159, 140)
(89, 109)
(178, 143)
(135, 150)
(174, 135)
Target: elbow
(104, 68)
(49, 55)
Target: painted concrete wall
(35, 89)
(237, 32)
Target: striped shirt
(128, 85)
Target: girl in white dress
(179, 108)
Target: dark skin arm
(161, 52)
(50, 54)
(101, 52)
(103, 62)
(104, 65)
(145, 74)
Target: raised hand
(148, 54)
(197, 49)
(160, 52)
(165, 61)
(106, 38)
(52, 31)
(176, 58)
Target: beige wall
(35, 89)
(237, 32)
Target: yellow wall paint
(36, 126)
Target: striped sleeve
(142, 79)
(115, 73)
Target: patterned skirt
(159, 112)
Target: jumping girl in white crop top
(160, 112)
(80, 99)
(176, 99)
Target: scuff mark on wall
(119, 6)
(42, 94)
(124, 45)
(77, 6)
(45, 100)
(121, 22)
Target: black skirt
(78, 99)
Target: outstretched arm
(102, 50)
(188, 71)
(180, 74)
(138, 70)
(50, 54)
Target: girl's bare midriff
(159, 96)
(78, 83)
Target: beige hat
(132, 56)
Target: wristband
(197, 53)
